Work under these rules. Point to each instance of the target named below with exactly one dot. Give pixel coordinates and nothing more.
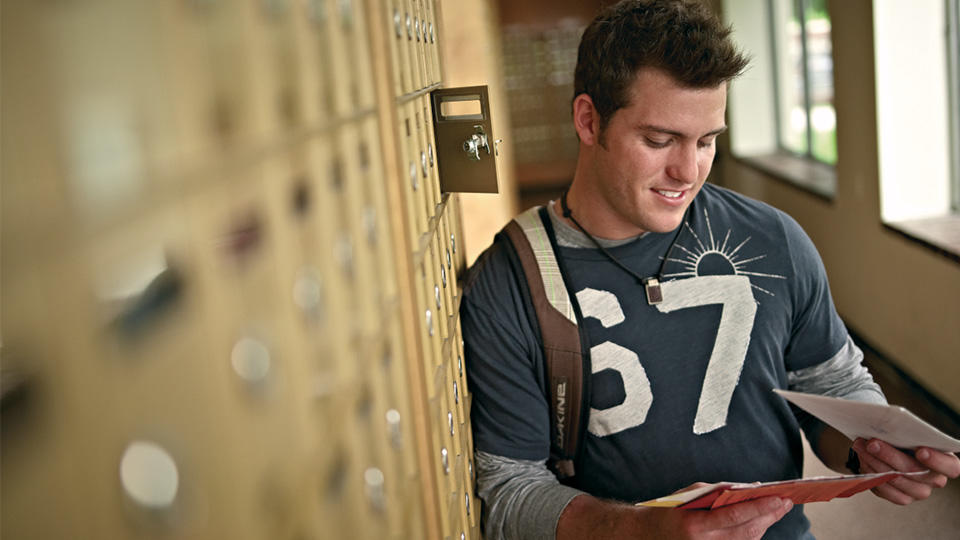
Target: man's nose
(683, 164)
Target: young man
(681, 389)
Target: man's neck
(592, 211)
(569, 235)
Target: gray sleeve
(522, 499)
(841, 376)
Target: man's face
(655, 155)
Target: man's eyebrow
(649, 127)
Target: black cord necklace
(651, 285)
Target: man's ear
(586, 120)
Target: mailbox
(466, 149)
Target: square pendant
(654, 293)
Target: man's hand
(589, 517)
(747, 520)
(877, 456)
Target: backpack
(531, 248)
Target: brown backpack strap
(563, 358)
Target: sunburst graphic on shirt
(708, 257)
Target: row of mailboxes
(448, 397)
(152, 100)
(203, 297)
(242, 341)
(413, 30)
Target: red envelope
(800, 491)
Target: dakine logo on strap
(560, 409)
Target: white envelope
(891, 423)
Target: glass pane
(791, 116)
(823, 118)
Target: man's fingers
(916, 490)
(878, 456)
(902, 490)
(893, 458)
(742, 521)
(757, 527)
(868, 462)
(944, 463)
(739, 514)
(892, 494)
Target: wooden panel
(216, 273)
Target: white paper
(682, 497)
(891, 423)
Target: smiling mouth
(669, 194)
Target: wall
(471, 55)
(900, 297)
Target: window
(913, 108)
(953, 48)
(806, 121)
(918, 112)
(782, 120)
(781, 109)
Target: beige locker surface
(222, 233)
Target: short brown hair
(684, 38)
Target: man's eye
(657, 144)
(705, 144)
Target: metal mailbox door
(466, 149)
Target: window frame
(800, 8)
(953, 81)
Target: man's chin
(665, 225)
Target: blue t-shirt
(681, 391)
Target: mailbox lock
(476, 141)
(464, 140)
